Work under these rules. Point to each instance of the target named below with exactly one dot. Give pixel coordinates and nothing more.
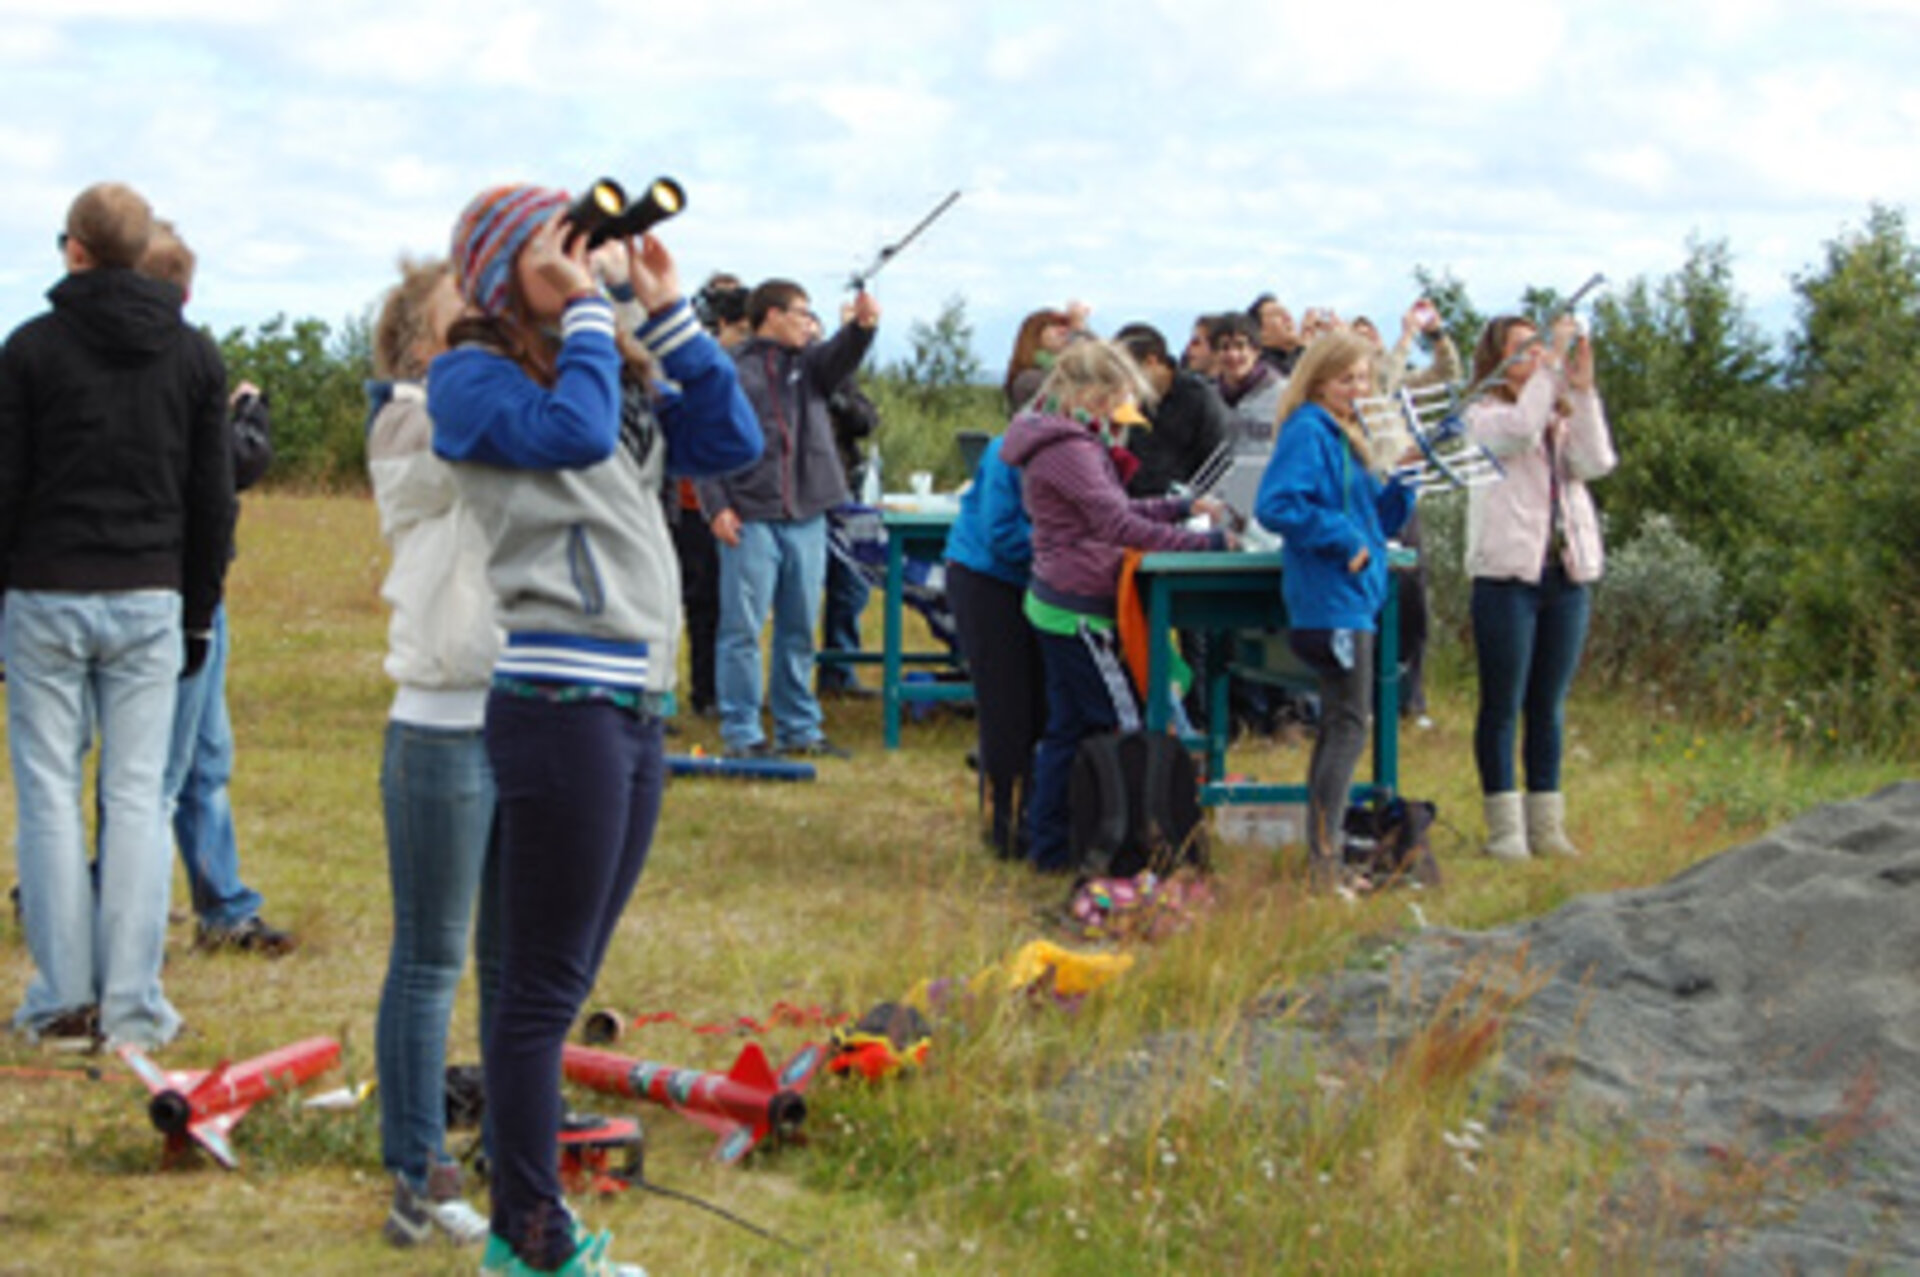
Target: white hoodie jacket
(442, 640)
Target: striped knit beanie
(489, 235)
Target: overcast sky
(1156, 158)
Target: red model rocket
(203, 1107)
(743, 1105)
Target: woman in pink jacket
(1533, 548)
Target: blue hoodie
(1326, 507)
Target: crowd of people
(574, 464)
(1252, 382)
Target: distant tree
(1855, 355)
(1850, 624)
(933, 394)
(1691, 388)
(942, 357)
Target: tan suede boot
(1506, 838)
(1547, 825)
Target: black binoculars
(603, 213)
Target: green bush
(1658, 612)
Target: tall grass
(1159, 1128)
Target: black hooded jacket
(115, 468)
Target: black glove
(198, 643)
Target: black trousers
(1009, 694)
(700, 598)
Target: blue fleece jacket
(992, 534)
(1326, 507)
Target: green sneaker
(589, 1260)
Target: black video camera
(718, 305)
(603, 213)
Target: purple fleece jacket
(1083, 519)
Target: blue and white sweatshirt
(566, 484)
(1327, 507)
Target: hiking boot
(76, 1029)
(819, 747)
(759, 749)
(251, 936)
(419, 1216)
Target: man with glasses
(116, 519)
(771, 520)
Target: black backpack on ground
(1133, 803)
(1390, 842)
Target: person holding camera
(721, 305)
(1533, 548)
(200, 756)
(561, 416)
(1420, 324)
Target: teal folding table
(1231, 596)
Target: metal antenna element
(1431, 419)
(859, 281)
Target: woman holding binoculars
(562, 407)
(1533, 547)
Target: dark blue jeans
(1527, 641)
(1087, 692)
(847, 594)
(579, 789)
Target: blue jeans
(437, 791)
(1087, 692)
(778, 567)
(75, 661)
(199, 767)
(1527, 641)
(579, 794)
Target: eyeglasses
(61, 240)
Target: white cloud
(1157, 157)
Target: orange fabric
(1130, 622)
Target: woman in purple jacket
(1073, 484)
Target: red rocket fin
(752, 1069)
(155, 1078)
(739, 1140)
(207, 1085)
(212, 1135)
(801, 1068)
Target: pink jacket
(1509, 522)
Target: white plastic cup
(922, 481)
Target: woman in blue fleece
(989, 552)
(1321, 493)
(562, 415)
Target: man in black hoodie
(116, 520)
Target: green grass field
(842, 894)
